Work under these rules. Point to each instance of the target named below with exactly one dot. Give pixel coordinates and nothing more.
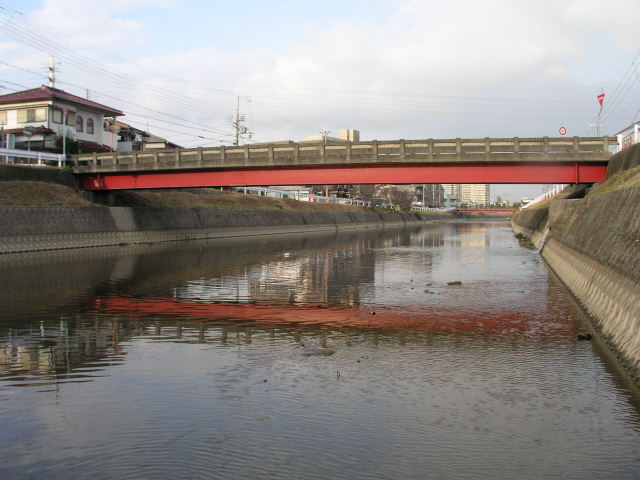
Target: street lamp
(64, 132)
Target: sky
(392, 69)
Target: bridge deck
(490, 150)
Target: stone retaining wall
(24, 229)
(593, 245)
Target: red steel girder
(521, 172)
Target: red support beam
(485, 172)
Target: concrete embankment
(30, 222)
(592, 244)
(53, 228)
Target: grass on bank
(29, 193)
(38, 194)
(621, 180)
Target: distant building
(629, 136)
(36, 117)
(343, 135)
(429, 195)
(469, 193)
(451, 201)
(131, 139)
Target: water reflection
(207, 357)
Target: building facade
(469, 193)
(430, 195)
(35, 118)
(629, 136)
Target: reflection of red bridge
(488, 160)
(486, 210)
(396, 318)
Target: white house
(37, 116)
(629, 136)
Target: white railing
(27, 157)
(305, 197)
(310, 197)
(551, 193)
(432, 209)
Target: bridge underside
(517, 172)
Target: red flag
(601, 98)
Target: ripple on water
(194, 365)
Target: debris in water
(455, 282)
(317, 351)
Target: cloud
(429, 68)
(615, 18)
(91, 23)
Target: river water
(321, 356)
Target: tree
(395, 196)
(71, 144)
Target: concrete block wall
(53, 228)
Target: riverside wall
(24, 229)
(593, 245)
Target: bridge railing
(291, 154)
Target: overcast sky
(389, 68)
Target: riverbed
(441, 351)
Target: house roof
(88, 147)
(36, 131)
(49, 93)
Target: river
(441, 351)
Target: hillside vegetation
(29, 193)
(618, 181)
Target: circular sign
(563, 131)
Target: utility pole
(601, 101)
(237, 121)
(52, 72)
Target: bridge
(488, 160)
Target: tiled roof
(48, 93)
(36, 131)
(88, 147)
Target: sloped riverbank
(592, 244)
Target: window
(79, 124)
(30, 115)
(71, 118)
(90, 126)
(3, 118)
(56, 117)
